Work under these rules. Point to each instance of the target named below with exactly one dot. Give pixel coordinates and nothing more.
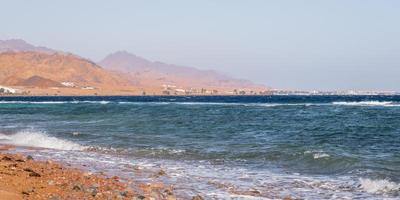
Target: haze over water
(311, 147)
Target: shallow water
(311, 147)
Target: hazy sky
(338, 44)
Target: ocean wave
(154, 151)
(223, 104)
(32, 138)
(317, 154)
(382, 186)
(95, 102)
(143, 103)
(367, 103)
(320, 155)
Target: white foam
(366, 103)
(379, 186)
(225, 104)
(99, 102)
(32, 138)
(317, 154)
(320, 155)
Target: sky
(310, 45)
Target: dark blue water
(325, 147)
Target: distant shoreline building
(7, 90)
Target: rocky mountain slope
(39, 69)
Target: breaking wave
(367, 103)
(317, 154)
(379, 186)
(31, 138)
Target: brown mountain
(39, 69)
(143, 72)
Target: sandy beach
(23, 177)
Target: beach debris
(28, 170)
(168, 195)
(87, 174)
(168, 192)
(251, 192)
(77, 188)
(29, 157)
(75, 133)
(6, 158)
(92, 190)
(123, 193)
(197, 197)
(138, 197)
(28, 191)
(115, 178)
(34, 174)
(161, 173)
(171, 197)
(156, 194)
(20, 160)
(50, 182)
(55, 198)
(12, 165)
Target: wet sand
(23, 177)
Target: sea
(221, 147)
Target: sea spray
(34, 138)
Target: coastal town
(172, 90)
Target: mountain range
(38, 69)
(143, 72)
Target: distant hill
(17, 45)
(143, 72)
(50, 70)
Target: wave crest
(379, 186)
(31, 138)
(366, 103)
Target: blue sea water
(222, 147)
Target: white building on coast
(7, 90)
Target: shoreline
(23, 177)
